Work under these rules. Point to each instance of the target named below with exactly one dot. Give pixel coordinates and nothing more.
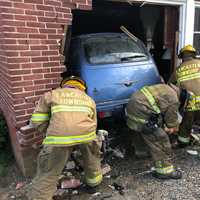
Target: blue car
(114, 66)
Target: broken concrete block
(105, 169)
(70, 183)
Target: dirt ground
(128, 172)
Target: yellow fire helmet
(187, 48)
(74, 81)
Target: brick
(18, 60)
(12, 10)
(35, 24)
(15, 78)
(69, 5)
(16, 90)
(34, 1)
(13, 23)
(30, 111)
(49, 42)
(41, 47)
(49, 53)
(12, 54)
(56, 58)
(13, 65)
(84, 7)
(56, 36)
(26, 137)
(32, 99)
(60, 31)
(23, 95)
(39, 59)
(52, 25)
(7, 16)
(51, 75)
(53, 47)
(56, 80)
(50, 31)
(20, 112)
(32, 88)
(41, 92)
(32, 77)
(57, 69)
(18, 101)
(8, 29)
(30, 53)
(50, 14)
(5, 4)
(63, 21)
(42, 81)
(32, 141)
(19, 125)
(23, 118)
(37, 36)
(67, 15)
(63, 10)
(52, 86)
(47, 19)
(53, 3)
(15, 35)
(21, 83)
(44, 8)
(24, 6)
(19, 72)
(34, 41)
(27, 30)
(17, 0)
(51, 64)
(25, 18)
(34, 12)
(80, 1)
(16, 47)
(31, 65)
(24, 42)
(41, 70)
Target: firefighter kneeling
(152, 112)
(68, 115)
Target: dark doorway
(155, 25)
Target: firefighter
(152, 112)
(187, 76)
(68, 115)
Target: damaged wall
(30, 63)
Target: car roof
(86, 36)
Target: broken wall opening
(6, 153)
(155, 25)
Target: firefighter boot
(163, 171)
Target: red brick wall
(30, 60)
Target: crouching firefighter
(153, 112)
(70, 115)
(187, 76)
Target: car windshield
(113, 49)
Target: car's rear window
(113, 49)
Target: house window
(196, 42)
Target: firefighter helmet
(74, 81)
(187, 48)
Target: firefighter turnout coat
(68, 115)
(151, 100)
(187, 76)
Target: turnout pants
(51, 161)
(158, 143)
(186, 125)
